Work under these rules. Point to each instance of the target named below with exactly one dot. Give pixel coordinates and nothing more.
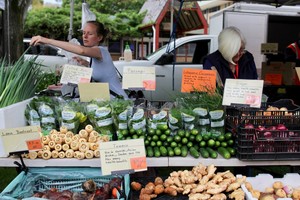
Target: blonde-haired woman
(231, 59)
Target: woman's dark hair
(101, 30)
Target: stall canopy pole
(71, 20)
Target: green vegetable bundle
(100, 115)
(31, 114)
(69, 115)
(18, 81)
(45, 107)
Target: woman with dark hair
(101, 62)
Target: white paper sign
(243, 92)
(76, 74)
(123, 155)
(15, 139)
(139, 77)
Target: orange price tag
(149, 84)
(34, 145)
(198, 80)
(138, 163)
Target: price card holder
(20, 139)
(121, 157)
(243, 92)
(139, 78)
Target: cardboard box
(13, 116)
(262, 181)
(287, 70)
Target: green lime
(147, 142)
(228, 136)
(168, 132)
(173, 144)
(155, 138)
(135, 136)
(192, 138)
(159, 143)
(152, 144)
(139, 132)
(211, 143)
(230, 142)
(224, 144)
(187, 133)
(194, 131)
(205, 137)
(184, 140)
(221, 138)
(218, 143)
(124, 132)
(169, 139)
(181, 132)
(198, 138)
(151, 131)
(177, 138)
(131, 131)
(163, 137)
(177, 151)
(202, 143)
(158, 132)
(189, 144)
(162, 127)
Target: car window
(192, 52)
(41, 50)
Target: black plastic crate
(254, 144)
(240, 116)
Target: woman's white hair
(230, 41)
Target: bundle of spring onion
(18, 81)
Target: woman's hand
(36, 40)
(81, 61)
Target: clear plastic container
(127, 53)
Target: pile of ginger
(200, 183)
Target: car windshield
(161, 49)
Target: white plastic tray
(261, 181)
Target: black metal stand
(21, 166)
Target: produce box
(40, 179)
(13, 116)
(266, 134)
(262, 181)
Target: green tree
(14, 15)
(122, 18)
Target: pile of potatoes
(278, 190)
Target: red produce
(281, 127)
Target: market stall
(200, 131)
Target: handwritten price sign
(123, 155)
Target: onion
(281, 127)
(272, 128)
(249, 126)
(268, 135)
(292, 133)
(261, 128)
